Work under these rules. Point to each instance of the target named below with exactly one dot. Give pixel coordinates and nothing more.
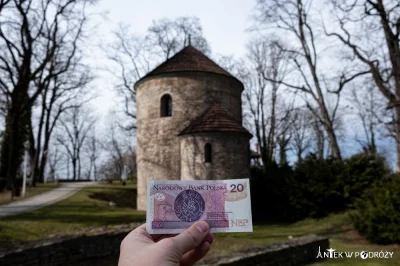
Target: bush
(314, 188)
(377, 215)
(268, 192)
(285, 194)
(361, 171)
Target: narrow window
(166, 106)
(208, 153)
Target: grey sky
(224, 25)
(224, 21)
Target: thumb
(192, 237)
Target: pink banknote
(174, 205)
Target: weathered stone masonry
(196, 86)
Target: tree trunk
(319, 134)
(79, 168)
(74, 169)
(95, 171)
(397, 137)
(43, 162)
(320, 99)
(32, 154)
(68, 173)
(333, 142)
(299, 158)
(36, 174)
(16, 133)
(283, 142)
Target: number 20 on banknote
(174, 205)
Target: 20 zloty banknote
(174, 205)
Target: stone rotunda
(189, 123)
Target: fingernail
(202, 227)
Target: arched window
(208, 153)
(166, 106)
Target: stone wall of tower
(230, 156)
(158, 146)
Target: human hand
(140, 248)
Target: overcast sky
(224, 25)
(224, 21)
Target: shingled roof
(214, 119)
(188, 59)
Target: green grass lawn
(337, 227)
(89, 208)
(5, 196)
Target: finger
(210, 238)
(160, 237)
(157, 237)
(191, 238)
(195, 255)
(140, 233)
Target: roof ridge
(188, 59)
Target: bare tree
(130, 163)
(63, 83)
(301, 132)
(284, 136)
(320, 137)
(116, 148)
(134, 56)
(76, 125)
(169, 36)
(30, 32)
(267, 61)
(368, 108)
(293, 17)
(131, 57)
(371, 31)
(94, 150)
(113, 167)
(55, 157)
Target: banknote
(174, 205)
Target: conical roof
(214, 119)
(188, 59)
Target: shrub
(361, 171)
(268, 192)
(315, 187)
(377, 215)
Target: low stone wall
(66, 252)
(296, 251)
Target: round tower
(189, 123)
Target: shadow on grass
(98, 205)
(21, 230)
(81, 214)
(121, 199)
